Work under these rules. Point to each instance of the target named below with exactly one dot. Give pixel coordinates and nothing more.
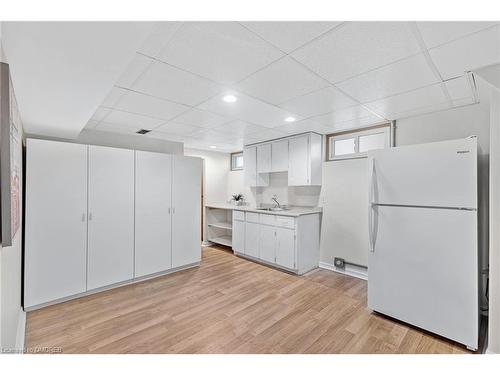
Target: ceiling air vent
(143, 131)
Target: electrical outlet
(339, 262)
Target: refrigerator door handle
(371, 206)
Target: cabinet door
(264, 158)
(239, 236)
(186, 211)
(279, 156)
(56, 221)
(285, 247)
(111, 216)
(267, 243)
(298, 170)
(252, 239)
(153, 198)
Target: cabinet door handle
(169, 210)
(90, 216)
(83, 217)
(173, 210)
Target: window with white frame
(356, 143)
(237, 161)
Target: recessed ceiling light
(229, 98)
(290, 119)
(213, 146)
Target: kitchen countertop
(292, 211)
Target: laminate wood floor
(229, 305)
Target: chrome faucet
(275, 199)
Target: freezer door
(441, 174)
(423, 269)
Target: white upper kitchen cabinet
(305, 155)
(111, 216)
(186, 211)
(56, 221)
(264, 158)
(153, 218)
(252, 178)
(279, 156)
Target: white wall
(236, 185)
(216, 168)
(12, 317)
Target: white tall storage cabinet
(56, 221)
(99, 217)
(111, 216)
(186, 210)
(153, 213)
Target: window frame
(233, 155)
(387, 128)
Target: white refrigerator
(423, 258)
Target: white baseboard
(349, 270)
(21, 330)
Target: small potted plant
(238, 199)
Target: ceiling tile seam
(260, 36)
(135, 113)
(165, 45)
(321, 36)
(428, 59)
(234, 84)
(465, 36)
(339, 89)
(151, 96)
(285, 53)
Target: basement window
(356, 143)
(237, 161)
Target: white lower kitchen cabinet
(287, 242)
(285, 247)
(267, 243)
(153, 213)
(86, 204)
(252, 233)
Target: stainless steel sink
(271, 209)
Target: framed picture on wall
(10, 159)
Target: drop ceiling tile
(459, 88)
(346, 114)
(239, 128)
(225, 52)
(413, 100)
(213, 136)
(248, 109)
(167, 82)
(468, 53)
(303, 126)
(91, 124)
(159, 37)
(288, 36)
(149, 106)
(115, 94)
(421, 111)
(100, 114)
(178, 129)
(358, 47)
(117, 117)
(281, 81)
(319, 102)
(404, 75)
(440, 32)
(134, 70)
(203, 119)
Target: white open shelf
(219, 225)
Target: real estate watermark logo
(33, 350)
